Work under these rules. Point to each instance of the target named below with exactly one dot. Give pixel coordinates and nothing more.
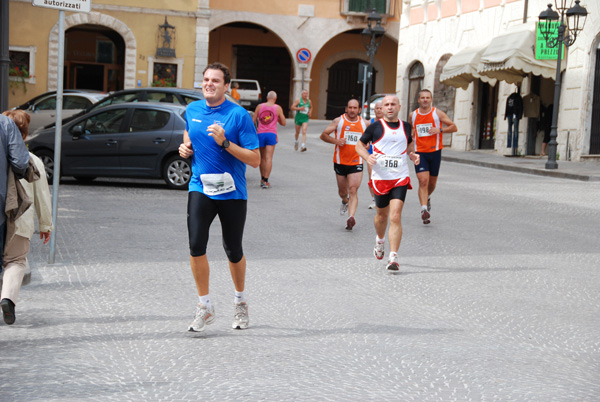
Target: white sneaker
(202, 318)
(295, 146)
(344, 209)
(392, 264)
(379, 250)
(240, 318)
(372, 205)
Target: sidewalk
(584, 171)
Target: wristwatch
(225, 144)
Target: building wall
(430, 29)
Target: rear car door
(91, 146)
(145, 141)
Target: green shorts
(301, 118)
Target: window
(147, 120)
(189, 100)
(22, 64)
(165, 75)
(130, 97)
(108, 122)
(75, 102)
(165, 97)
(365, 6)
(46, 104)
(415, 84)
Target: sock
(266, 179)
(296, 142)
(378, 240)
(423, 207)
(393, 256)
(302, 145)
(206, 301)
(239, 297)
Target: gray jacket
(13, 152)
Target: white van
(249, 90)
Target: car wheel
(47, 157)
(177, 172)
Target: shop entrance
(343, 85)
(94, 58)
(488, 104)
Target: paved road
(497, 299)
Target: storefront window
(165, 75)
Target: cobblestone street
(498, 299)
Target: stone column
(202, 36)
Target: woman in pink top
(267, 114)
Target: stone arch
(93, 18)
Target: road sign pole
(57, 132)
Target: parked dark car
(136, 140)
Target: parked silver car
(43, 110)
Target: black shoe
(8, 311)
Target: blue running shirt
(209, 158)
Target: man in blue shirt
(221, 140)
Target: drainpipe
(4, 60)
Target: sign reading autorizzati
(81, 6)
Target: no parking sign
(303, 55)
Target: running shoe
(350, 223)
(425, 216)
(202, 318)
(344, 209)
(372, 205)
(8, 311)
(265, 185)
(295, 146)
(428, 204)
(303, 149)
(240, 318)
(392, 264)
(379, 251)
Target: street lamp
(372, 37)
(574, 26)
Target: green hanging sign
(542, 51)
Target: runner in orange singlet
(428, 126)
(347, 164)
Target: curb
(519, 169)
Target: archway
(269, 62)
(94, 58)
(343, 85)
(98, 19)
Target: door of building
(342, 85)
(595, 131)
(488, 104)
(270, 66)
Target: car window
(47, 104)
(247, 85)
(148, 120)
(129, 97)
(162, 97)
(189, 99)
(75, 102)
(105, 122)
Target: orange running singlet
(425, 142)
(351, 131)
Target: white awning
(510, 57)
(461, 68)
